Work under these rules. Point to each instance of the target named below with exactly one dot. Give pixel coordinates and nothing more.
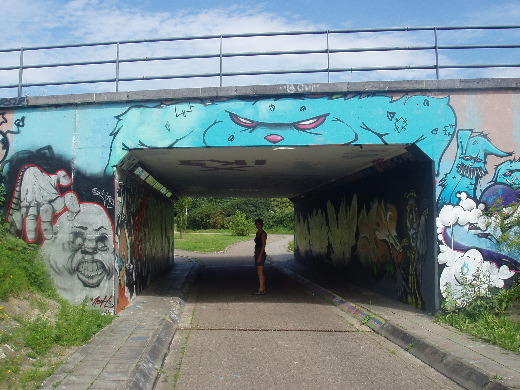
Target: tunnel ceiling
(258, 171)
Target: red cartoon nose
(273, 138)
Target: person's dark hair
(259, 220)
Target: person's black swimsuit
(258, 248)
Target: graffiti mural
(342, 119)
(383, 240)
(104, 233)
(80, 254)
(465, 263)
(75, 237)
(145, 237)
(469, 166)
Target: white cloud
(75, 21)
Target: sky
(28, 23)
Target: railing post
(117, 67)
(220, 72)
(436, 53)
(328, 58)
(20, 74)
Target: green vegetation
(240, 225)
(216, 213)
(484, 311)
(487, 317)
(207, 242)
(20, 268)
(181, 213)
(36, 326)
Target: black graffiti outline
(4, 140)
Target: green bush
(240, 225)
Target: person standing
(260, 255)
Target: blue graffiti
(355, 119)
(469, 166)
(488, 231)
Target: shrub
(240, 225)
(39, 335)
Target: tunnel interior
(375, 203)
(261, 172)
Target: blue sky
(35, 22)
(46, 22)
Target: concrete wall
(103, 235)
(144, 237)
(57, 159)
(376, 231)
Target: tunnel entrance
(363, 210)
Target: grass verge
(37, 328)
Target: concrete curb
(464, 374)
(147, 371)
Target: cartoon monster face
(296, 121)
(508, 173)
(469, 166)
(277, 122)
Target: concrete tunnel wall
(104, 235)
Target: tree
(240, 225)
(181, 213)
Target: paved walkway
(130, 353)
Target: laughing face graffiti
(80, 256)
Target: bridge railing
(287, 57)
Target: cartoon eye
(310, 124)
(508, 173)
(76, 241)
(478, 160)
(466, 158)
(244, 122)
(102, 242)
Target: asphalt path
(289, 338)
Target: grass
(207, 242)
(214, 240)
(37, 327)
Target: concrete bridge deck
(134, 352)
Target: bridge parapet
(405, 53)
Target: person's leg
(261, 278)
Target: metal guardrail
(119, 62)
